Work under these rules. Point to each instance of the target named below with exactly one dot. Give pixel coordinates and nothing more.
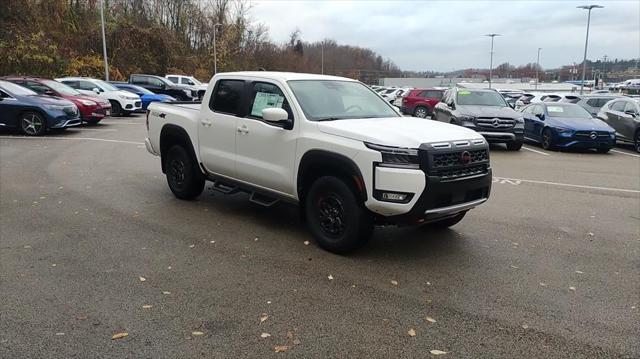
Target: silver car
(591, 103)
(623, 114)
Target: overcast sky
(447, 35)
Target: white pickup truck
(330, 144)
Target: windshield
(323, 100)
(14, 89)
(137, 89)
(105, 85)
(480, 98)
(61, 88)
(567, 111)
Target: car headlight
(55, 107)
(88, 103)
(397, 157)
(466, 118)
(520, 120)
(562, 130)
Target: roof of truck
(283, 76)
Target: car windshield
(105, 85)
(325, 100)
(61, 88)
(568, 111)
(14, 89)
(480, 98)
(138, 89)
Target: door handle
(206, 123)
(243, 129)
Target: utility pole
(586, 41)
(215, 54)
(537, 67)
(104, 43)
(322, 58)
(491, 59)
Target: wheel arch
(171, 135)
(37, 110)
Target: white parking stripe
(625, 153)
(68, 138)
(536, 151)
(83, 129)
(571, 185)
(121, 123)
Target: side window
(186, 81)
(86, 85)
(528, 109)
(434, 94)
(617, 106)
(72, 84)
(173, 79)
(154, 82)
(593, 102)
(631, 108)
(4, 95)
(140, 80)
(538, 110)
(227, 96)
(266, 95)
(36, 87)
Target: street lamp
(322, 58)
(491, 61)
(215, 55)
(537, 67)
(104, 43)
(586, 41)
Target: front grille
(463, 172)
(495, 122)
(138, 104)
(451, 159)
(586, 135)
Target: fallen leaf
(430, 320)
(579, 272)
(59, 333)
(166, 292)
(428, 283)
(147, 306)
(191, 246)
(169, 267)
(255, 239)
(263, 317)
(265, 335)
(590, 234)
(142, 279)
(514, 267)
(394, 282)
(411, 332)
(119, 335)
(524, 326)
(306, 243)
(543, 284)
(53, 265)
(212, 241)
(281, 348)
(330, 277)
(197, 333)
(290, 334)
(296, 342)
(437, 352)
(572, 288)
(268, 302)
(27, 246)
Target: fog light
(395, 197)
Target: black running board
(262, 199)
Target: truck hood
(488, 111)
(397, 131)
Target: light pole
(491, 60)
(537, 67)
(322, 58)
(586, 41)
(104, 43)
(215, 54)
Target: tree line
(53, 38)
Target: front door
(265, 152)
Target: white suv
(122, 102)
(190, 81)
(329, 144)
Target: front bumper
(66, 122)
(511, 134)
(585, 144)
(131, 105)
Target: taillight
(147, 122)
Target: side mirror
(540, 116)
(163, 86)
(452, 105)
(631, 113)
(278, 117)
(49, 93)
(512, 105)
(96, 90)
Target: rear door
(265, 152)
(537, 122)
(628, 123)
(616, 116)
(218, 126)
(9, 110)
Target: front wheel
(185, 179)
(636, 142)
(32, 124)
(337, 218)
(514, 146)
(421, 112)
(547, 139)
(448, 222)
(116, 109)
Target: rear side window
(631, 108)
(617, 106)
(86, 85)
(73, 84)
(266, 95)
(431, 94)
(593, 102)
(226, 97)
(39, 88)
(173, 79)
(141, 80)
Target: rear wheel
(185, 179)
(514, 146)
(421, 112)
(636, 141)
(547, 139)
(446, 223)
(32, 124)
(336, 216)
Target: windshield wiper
(329, 119)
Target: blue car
(566, 125)
(146, 95)
(34, 114)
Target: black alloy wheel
(636, 141)
(547, 139)
(185, 179)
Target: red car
(420, 102)
(92, 109)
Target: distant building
(477, 83)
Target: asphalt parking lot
(93, 244)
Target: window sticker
(555, 109)
(464, 93)
(265, 100)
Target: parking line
(536, 151)
(573, 185)
(625, 153)
(70, 138)
(120, 123)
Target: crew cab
(331, 145)
(485, 111)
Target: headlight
(562, 130)
(55, 107)
(397, 157)
(520, 120)
(88, 103)
(464, 118)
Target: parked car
(551, 97)
(122, 102)
(591, 103)
(326, 143)
(160, 85)
(484, 111)
(146, 96)
(92, 108)
(623, 114)
(420, 102)
(34, 114)
(529, 98)
(566, 125)
(391, 94)
(188, 81)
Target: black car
(160, 85)
(623, 115)
(484, 111)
